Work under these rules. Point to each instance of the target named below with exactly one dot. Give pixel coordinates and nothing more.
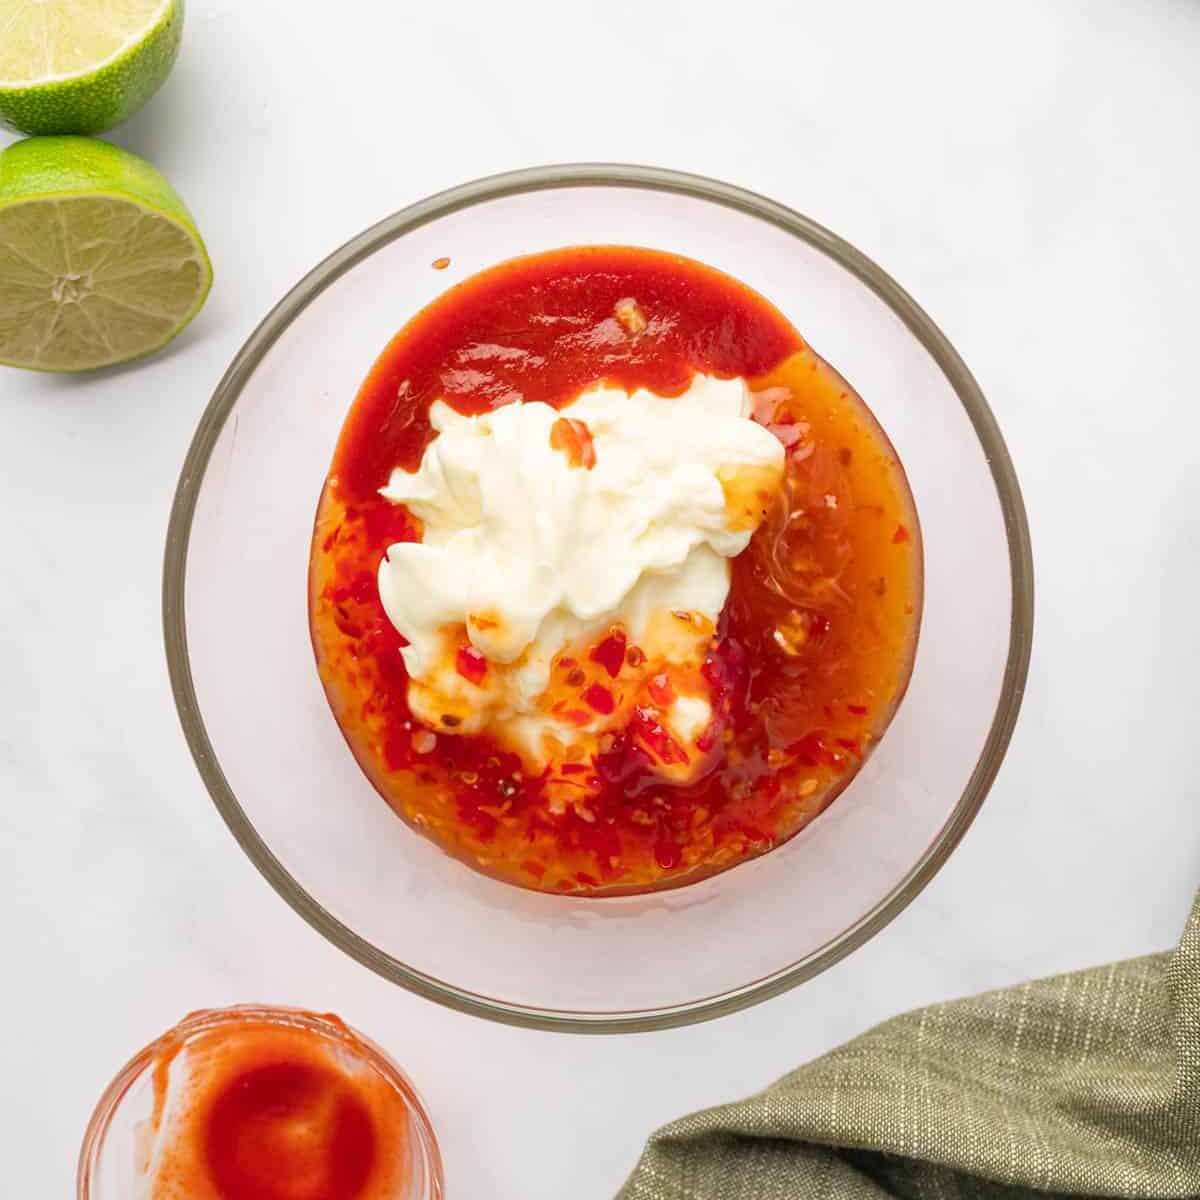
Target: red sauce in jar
(251, 1109)
(287, 1130)
(810, 656)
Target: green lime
(83, 66)
(99, 259)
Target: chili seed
(629, 313)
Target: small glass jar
(123, 1142)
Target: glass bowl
(284, 779)
(119, 1143)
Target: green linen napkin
(1086, 1084)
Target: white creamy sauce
(525, 554)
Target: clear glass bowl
(282, 776)
(118, 1142)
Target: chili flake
(600, 698)
(470, 664)
(574, 439)
(610, 653)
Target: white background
(1028, 170)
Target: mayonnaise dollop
(544, 528)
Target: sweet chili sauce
(253, 1107)
(812, 651)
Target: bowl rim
(546, 178)
(325, 1025)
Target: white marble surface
(1027, 170)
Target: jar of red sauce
(257, 1103)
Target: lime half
(100, 261)
(83, 66)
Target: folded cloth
(1085, 1084)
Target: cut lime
(99, 259)
(83, 66)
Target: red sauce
(275, 1112)
(812, 651)
(543, 328)
(289, 1130)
